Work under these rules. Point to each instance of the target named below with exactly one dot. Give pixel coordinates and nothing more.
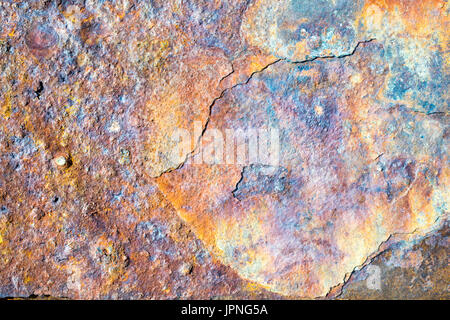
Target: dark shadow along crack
(222, 94)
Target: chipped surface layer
(94, 204)
(342, 188)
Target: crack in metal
(340, 287)
(348, 276)
(222, 94)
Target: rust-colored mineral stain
(93, 32)
(348, 184)
(93, 206)
(41, 39)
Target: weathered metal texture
(94, 206)
(407, 270)
(351, 174)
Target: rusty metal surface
(94, 205)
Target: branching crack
(229, 74)
(332, 293)
(372, 257)
(331, 56)
(222, 94)
(236, 188)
